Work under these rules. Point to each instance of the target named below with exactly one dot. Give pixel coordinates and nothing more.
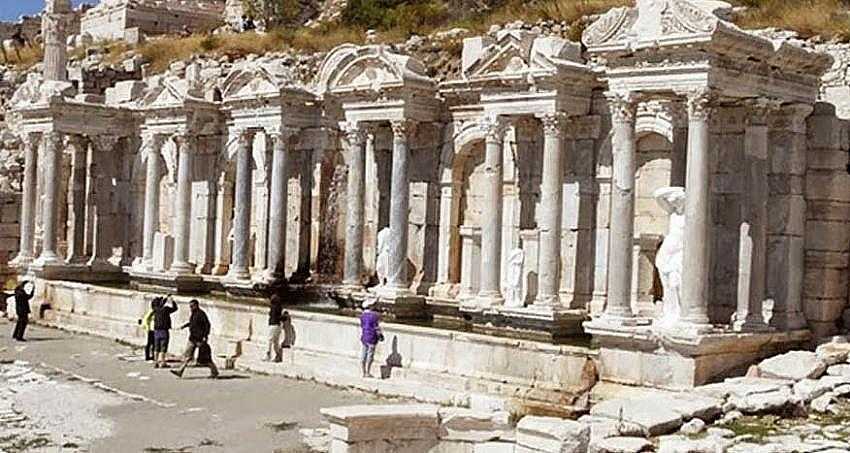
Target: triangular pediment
(250, 83)
(351, 68)
(164, 95)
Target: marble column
(183, 203)
(152, 153)
(242, 207)
(30, 143)
(622, 223)
(752, 278)
(54, 32)
(50, 198)
(490, 291)
(397, 278)
(279, 203)
(355, 140)
(697, 241)
(77, 211)
(549, 217)
(99, 176)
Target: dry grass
(827, 18)
(30, 56)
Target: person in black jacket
(199, 332)
(22, 309)
(161, 326)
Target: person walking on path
(22, 310)
(161, 326)
(199, 332)
(370, 335)
(274, 350)
(147, 327)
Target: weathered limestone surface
(795, 365)
(551, 435)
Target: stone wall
(827, 260)
(10, 209)
(112, 19)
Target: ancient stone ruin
(671, 188)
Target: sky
(12, 9)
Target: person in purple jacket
(370, 335)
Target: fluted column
(697, 241)
(490, 291)
(279, 202)
(77, 211)
(397, 278)
(549, 218)
(623, 109)
(183, 203)
(152, 152)
(101, 162)
(242, 208)
(54, 31)
(50, 198)
(355, 140)
(25, 254)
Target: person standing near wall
(161, 325)
(370, 335)
(274, 350)
(199, 332)
(147, 327)
(22, 310)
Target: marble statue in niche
(668, 261)
(382, 256)
(513, 287)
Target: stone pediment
(652, 21)
(514, 52)
(350, 68)
(257, 79)
(165, 93)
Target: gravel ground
(61, 392)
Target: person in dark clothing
(199, 332)
(161, 326)
(22, 309)
(248, 24)
(274, 351)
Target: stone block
(621, 445)
(163, 251)
(472, 426)
(387, 422)
(827, 159)
(827, 132)
(828, 210)
(787, 215)
(828, 185)
(382, 446)
(126, 91)
(644, 412)
(794, 365)
(817, 259)
(824, 310)
(821, 235)
(809, 389)
(786, 184)
(552, 435)
(494, 447)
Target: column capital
(104, 143)
(75, 140)
(151, 145)
(553, 123)
(402, 128)
(30, 138)
(699, 102)
(184, 140)
(623, 106)
(760, 109)
(494, 128)
(53, 136)
(245, 135)
(792, 117)
(282, 133)
(353, 133)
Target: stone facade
(377, 181)
(119, 19)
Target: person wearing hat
(370, 335)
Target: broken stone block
(842, 369)
(821, 403)
(472, 426)
(833, 353)
(653, 418)
(757, 403)
(693, 427)
(682, 444)
(389, 422)
(552, 435)
(493, 447)
(621, 445)
(809, 389)
(794, 365)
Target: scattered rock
(794, 366)
(821, 403)
(653, 418)
(550, 434)
(693, 427)
(622, 445)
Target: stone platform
(643, 356)
(425, 363)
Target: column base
(144, 279)
(79, 273)
(751, 325)
(235, 275)
(788, 321)
(404, 306)
(484, 301)
(181, 268)
(47, 260)
(548, 323)
(20, 263)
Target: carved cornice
(623, 106)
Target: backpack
(204, 354)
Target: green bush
(408, 16)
